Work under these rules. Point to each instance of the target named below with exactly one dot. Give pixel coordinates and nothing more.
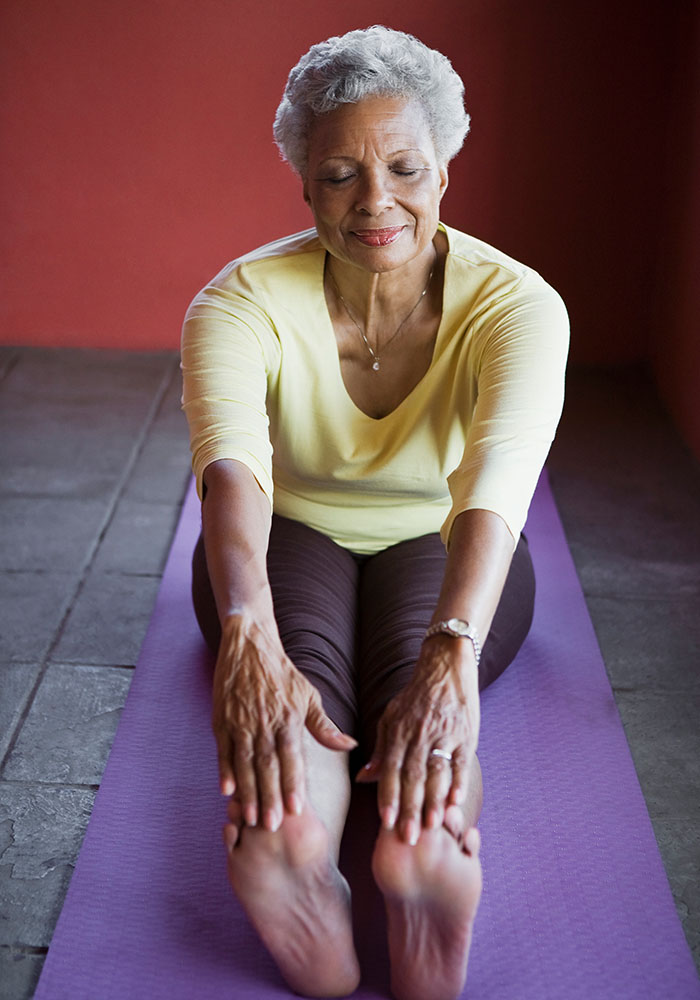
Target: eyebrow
(351, 159)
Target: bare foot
(431, 892)
(297, 900)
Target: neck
(380, 301)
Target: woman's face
(373, 183)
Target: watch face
(458, 626)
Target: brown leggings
(354, 624)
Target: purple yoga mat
(576, 902)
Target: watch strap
(458, 629)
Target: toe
(231, 836)
(472, 842)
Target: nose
(374, 193)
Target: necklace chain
(376, 360)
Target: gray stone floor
(94, 463)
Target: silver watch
(459, 629)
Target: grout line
(73, 786)
(170, 373)
(25, 949)
(92, 664)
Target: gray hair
(372, 62)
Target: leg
(288, 881)
(398, 592)
(432, 890)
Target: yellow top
(262, 384)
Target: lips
(378, 237)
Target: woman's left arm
(439, 708)
(518, 356)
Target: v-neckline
(334, 343)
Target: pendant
(375, 366)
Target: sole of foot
(297, 900)
(431, 893)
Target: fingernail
(294, 802)
(388, 815)
(250, 815)
(411, 833)
(432, 819)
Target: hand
(261, 705)
(439, 709)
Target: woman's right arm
(261, 702)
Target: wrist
(244, 610)
(249, 622)
(458, 631)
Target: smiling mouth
(378, 237)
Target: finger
(246, 783)
(455, 822)
(224, 747)
(325, 730)
(372, 770)
(413, 776)
(234, 813)
(389, 791)
(267, 772)
(292, 777)
(460, 777)
(437, 787)
(234, 825)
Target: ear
(444, 179)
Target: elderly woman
(389, 387)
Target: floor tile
(87, 376)
(64, 448)
(605, 571)
(19, 973)
(649, 548)
(48, 532)
(8, 358)
(664, 738)
(109, 621)
(70, 727)
(41, 830)
(16, 683)
(163, 467)
(31, 610)
(649, 643)
(138, 538)
(679, 841)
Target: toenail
(388, 815)
(412, 833)
(271, 821)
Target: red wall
(138, 155)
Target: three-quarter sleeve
(229, 353)
(519, 352)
